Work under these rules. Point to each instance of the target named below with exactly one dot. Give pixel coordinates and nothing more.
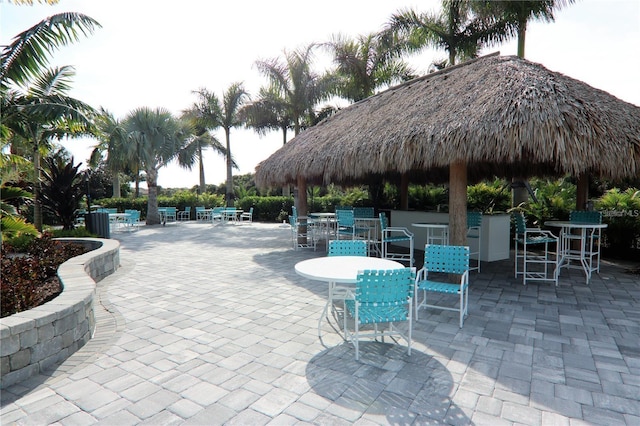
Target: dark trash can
(98, 223)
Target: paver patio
(210, 325)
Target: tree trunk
(230, 197)
(203, 187)
(302, 206)
(153, 218)
(522, 32)
(286, 190)
(404, 191)
(582, 192)
(116, 185)
(37, 207)
(458, 203)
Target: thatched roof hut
(502, 116)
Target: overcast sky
(155, 53)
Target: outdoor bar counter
(495, 231)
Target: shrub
(24, 277)
(621, 212)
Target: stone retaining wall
(36, 339)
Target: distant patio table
(588, 236)
(119, 219)
(340, 269)
(437, 233)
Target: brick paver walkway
(211, 325)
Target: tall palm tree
(366, 64)
(298, 86)
(512, 17)
(156, 138)
(232, 100)
(301, 89)
(199, 140)
(42, 112)
(113, 141)
(215, 113)
(268, 112)
(455, 29)
(33, 99)
(458, 31)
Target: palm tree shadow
(387, 383)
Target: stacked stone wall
(37, 339)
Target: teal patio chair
(540, 265)
(593, 236)
(446, 260)
(380, 297)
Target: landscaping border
(33, 340)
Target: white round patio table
(340, 269)
(587, 233)
(437, 233)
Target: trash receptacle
(98, 223)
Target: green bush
(621, 212)
(488, 197)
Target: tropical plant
(366, 64)
(268, 112)
(455, 29)
(297, 86)
(62, 190)
(201, 138)
(226, 114)
(621, 211)
(157, 138)
(511, 17)
(34, 100)
(114, 142)
(11, 222)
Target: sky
(155, 53)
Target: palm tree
(200, 139)
(511, 17)
(113, 141)
(297, 85)
(156, 138)
(455, 30)
(366, 64)
(268, 112)
(34, 100)
(461, 34)
(301, 90)
(226, 114)
(42, 112)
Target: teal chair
(593, 236)
(443, 259)
(380, 297)
(539, 265)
